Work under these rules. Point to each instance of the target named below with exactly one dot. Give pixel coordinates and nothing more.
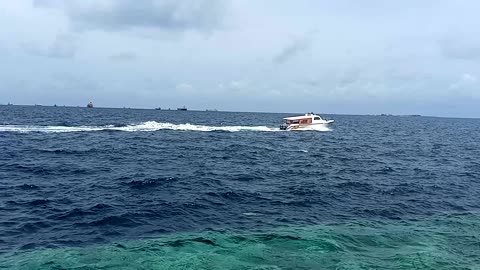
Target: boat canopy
(308, 115)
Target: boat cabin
(309, 119)
(306, 119)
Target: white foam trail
(153, 126)
(146, 126)
(46, 129)
(320, 127)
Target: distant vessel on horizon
(182, 109)
(90, 105)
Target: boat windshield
(289, 122)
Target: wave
(448, 240)
(145, 126)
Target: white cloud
(465, 80)
(123, 57)
(463, 47)
(64, 46)
(466, 85)
(184, 88)
(235, 86)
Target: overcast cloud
(117, 15)
(357, 57)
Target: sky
(344, 56)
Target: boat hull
(307, 126)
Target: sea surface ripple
(75, 182)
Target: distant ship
(182, 109)
(158, 108)
(90, 105)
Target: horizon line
(228, 111)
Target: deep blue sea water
(145, 189)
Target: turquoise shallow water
(438, 242)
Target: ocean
(147, 189)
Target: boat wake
(314, 128)
(154, 126)
(145, 127)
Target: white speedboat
(307, 121)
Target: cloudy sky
(344, 56)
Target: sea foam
(145, 127)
